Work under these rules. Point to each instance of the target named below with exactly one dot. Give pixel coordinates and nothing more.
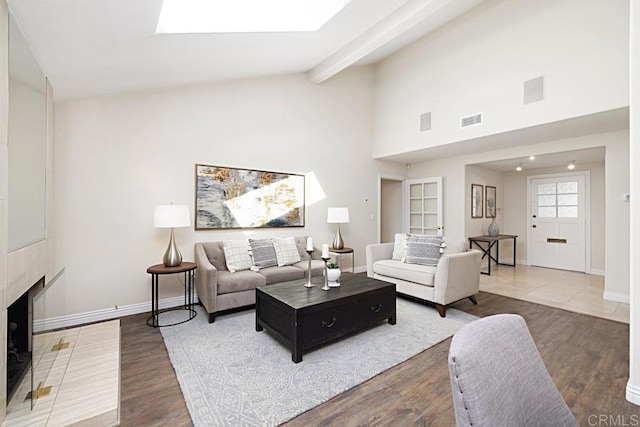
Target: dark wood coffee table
(306, 317)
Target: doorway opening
(391, 207)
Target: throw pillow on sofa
(423, 250)
(286, 251)
(400, 247)
(263, 254)
(236, 253)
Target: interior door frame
(587, 213)
(390, 177)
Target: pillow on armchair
(423, 250)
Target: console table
(187, 268)
(490, 242)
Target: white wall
(616, 179)
(117, 157)
(478, 63)
(633, 386)
(484, 177)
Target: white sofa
(457, 275)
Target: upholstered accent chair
(499, 379)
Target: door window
(558, 200)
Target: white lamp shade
(338, 215)
(171, 216)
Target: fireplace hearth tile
(85, 380)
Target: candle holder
(309, 284)
(325, 287)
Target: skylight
(245, 16)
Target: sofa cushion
(236, 253)
(286, 251)
(281, 274)
(416, 273)
(215, 253)
(317, 267)
(263, 253)
(229, 282)
(424, 250)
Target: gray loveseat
(219, 289)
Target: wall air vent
(472, 120)
(533, 90)
(425, 122)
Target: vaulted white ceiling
(93, 47)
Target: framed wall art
(490, 200)
(244, 198)
(476, 200)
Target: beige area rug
(232, 375)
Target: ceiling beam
(431, 13)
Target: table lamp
(338, 216)
(172, 216)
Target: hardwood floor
(150, 394)
(586, 356)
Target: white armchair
(457, 275)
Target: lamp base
(172, 257)
(338, 243)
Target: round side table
(345, 251)
(156, 270)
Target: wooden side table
(156, 270)
(345, 251)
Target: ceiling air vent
(472, 120)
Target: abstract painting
(243, 198)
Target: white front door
(557, 222)
(425, 206)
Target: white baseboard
(596, 272)
(360, 269)
(633, 394)
(104, 314)
(612, 296)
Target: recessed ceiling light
(532, 157)
(519, 167)
(571, 164)
(245, 16)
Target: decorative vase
(333, 275)
(493, 229)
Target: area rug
(232, 375)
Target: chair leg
(473, 299)
(212, 317)
(441, 310)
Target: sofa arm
(377, 252)
(457, 276)
(206, 279)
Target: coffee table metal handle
(329, 324)
(377, 308)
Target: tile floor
(85, 379)
(578, 292)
